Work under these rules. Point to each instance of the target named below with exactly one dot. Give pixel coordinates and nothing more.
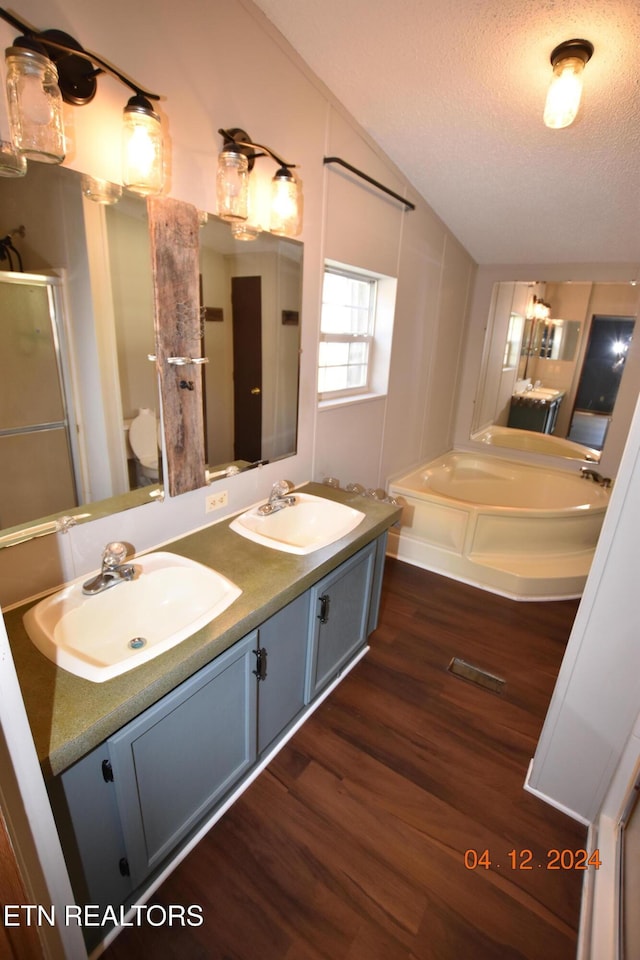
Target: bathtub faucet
(113, 571)
(279, 498)
(590, 474)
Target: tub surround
(70, 716)
(522, 531)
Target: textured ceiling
(453, 91)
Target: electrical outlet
(216, 500)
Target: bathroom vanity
(139, 765)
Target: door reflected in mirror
(538, 392)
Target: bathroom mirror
(553, 353)
(96, 263)
(251, 301)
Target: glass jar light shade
(565, 91)
(142, 150)
(12, 163)
(232, 186)
(35, 105)
(285, 214)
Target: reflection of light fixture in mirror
(233, 186)
(49, 67)
(539, 310)
(100, 191)
(563, 98)
(12, 163)
(243, 230)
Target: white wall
(595, 702)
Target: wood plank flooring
(351, 845)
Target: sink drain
(137, 643)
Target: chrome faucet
(279, 498)
(114, 570)
(590, 474)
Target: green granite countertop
(70, 716)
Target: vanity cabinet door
(84, 803)
(174, 762)
(339, 624)
(282, 648)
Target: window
(513, 342)
(346, 333)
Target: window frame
(372, 280)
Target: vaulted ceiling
(453, 91)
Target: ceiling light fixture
(568, 60)
(235, 163)
(45, 68)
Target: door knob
(255, 390)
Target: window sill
(349, 401)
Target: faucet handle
(281, 488)
(114, 554)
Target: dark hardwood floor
(351, 845)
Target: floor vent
(466, 671)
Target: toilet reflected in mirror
(145, 441)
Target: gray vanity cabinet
(340, 618)
(125, 808)
(172, 763)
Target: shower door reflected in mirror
(37, 475)
(105, 313)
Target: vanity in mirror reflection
(553, 362)
(88, 267)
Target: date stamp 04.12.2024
(525, 859)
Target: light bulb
(284, 204)
(565, 90)
(142, 160)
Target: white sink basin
(100, 637)
(311, 523)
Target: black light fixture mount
(235, 163)
(78, 69)
(582, 49)
(239, 141)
